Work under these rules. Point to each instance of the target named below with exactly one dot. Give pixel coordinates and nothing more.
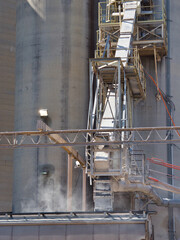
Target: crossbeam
(41, 126)
(72, 153)
(86, 137)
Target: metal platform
(73, 226)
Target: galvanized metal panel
(106, 232)
(5, 233)
(25, 233)
(53, 232)
(79, 232)
(132, 231)
(124, 231)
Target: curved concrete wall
(153, 113)
(51, 72)
(7, 84)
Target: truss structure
(84, 137)
(151, 30)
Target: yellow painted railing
(132, 61)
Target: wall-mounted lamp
(77, 164)
(43, 113)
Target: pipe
(147, 190)
(171, 220)
(172, 203)
(137, 187)
(164, 186)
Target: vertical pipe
(119, 110)
(119, 90)
(116, 101)
(91, 95)
(92, 160)
(171, 224)
(124, 114)
(120, 15)
(69, 184)
(95, 104)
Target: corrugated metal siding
(74, 232)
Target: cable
(163, 163)
(165, 174)
(162, 99)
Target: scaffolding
(127, 31)
(150, 28)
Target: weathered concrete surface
(7, 84)
(51, 72)
(175, 89)
(153, 113)
(44, 48)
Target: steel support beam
(58, 139)
(69, 183)
(139, 136)
(84, 190)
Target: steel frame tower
(127, 31)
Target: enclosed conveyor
(118, 77)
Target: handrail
(133, 60)
(105, 13)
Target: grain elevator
(90, 130)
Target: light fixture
(45, 173)
(77, 164)
(43, 113)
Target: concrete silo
(51, 73)
(7, 83)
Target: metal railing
(151, 13)
(133, 60)
(137, 165)
(106, 13)
(151, 24)
(112, 14)
(102, 37)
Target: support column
(84, 190)
(69, 183)
(119, 91)
(156, 70)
